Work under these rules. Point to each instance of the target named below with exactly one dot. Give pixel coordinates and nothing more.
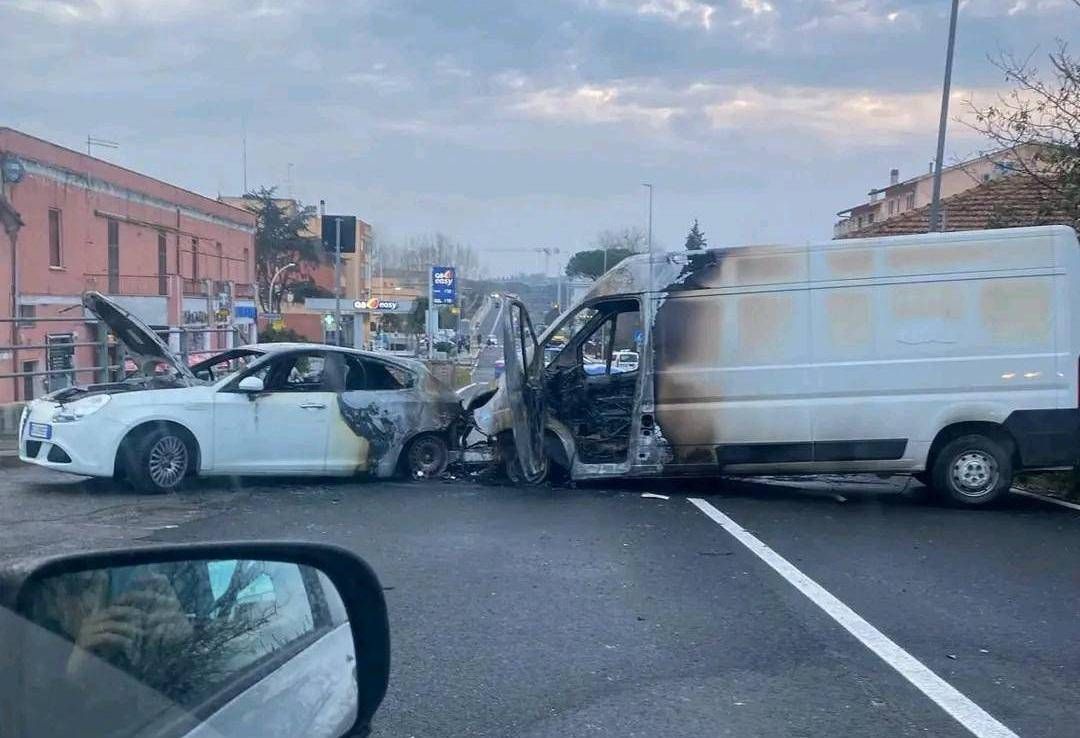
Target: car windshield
(684, 367)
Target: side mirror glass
(250, 384)
(183, 641)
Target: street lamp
(649, 186)
(270, 296)
(935, 202)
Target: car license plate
(39, 430)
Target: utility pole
(650, 187)
(337, 280)
(935, 202)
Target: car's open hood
(137, 336)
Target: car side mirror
(193, 639)
(252, 385)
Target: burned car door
(524, 390)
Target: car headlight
(79, 409)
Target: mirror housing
(21, 636)
(251, 384)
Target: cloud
(857, 117)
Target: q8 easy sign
(443, 285)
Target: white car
(296, 409)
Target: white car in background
(270, 409)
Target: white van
(950, 356)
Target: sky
(517, 124)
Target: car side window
(294, 372)
(363, 374)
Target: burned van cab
(949, 356)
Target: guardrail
(108, 363)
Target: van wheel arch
(991, 430)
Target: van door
(523, 362)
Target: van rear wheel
(972, 470)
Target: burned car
(291, 409)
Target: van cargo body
(862, 355)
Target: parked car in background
(265, 409)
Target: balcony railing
(128, 284)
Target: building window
(29, 312)
(220, 262)
(162, 264)
(195, 259)
(870, 218)
(247, 268)
(54, 238)
(911, 201)
(29, 380)
(892, 207)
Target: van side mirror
(193, 639)
(252, 385)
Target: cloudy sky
(512, 124)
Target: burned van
(949, 356)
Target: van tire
(972, 470)
(159, 461)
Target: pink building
(904, 196)
(182, 262)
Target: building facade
(182, 262)
(899, 197)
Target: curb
(9, 459)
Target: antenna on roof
(91, 141)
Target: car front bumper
(86, 446)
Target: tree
(282, 235)
(422, 252)
(632, 239)
(591, 263)
(308, 288)
(610, 247)
(695, 239)
(1037, 124)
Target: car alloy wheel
(168, 461)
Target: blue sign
(443, 285)
(244, 311)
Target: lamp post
(935, 202)
(270, 296)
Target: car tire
(159, 461)
(972, 470)
(426, 456)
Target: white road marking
(1044, 498)
(963, 710)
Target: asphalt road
(599, 612)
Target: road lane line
(1044, 498)
(963, 710)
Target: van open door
(524, 390)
